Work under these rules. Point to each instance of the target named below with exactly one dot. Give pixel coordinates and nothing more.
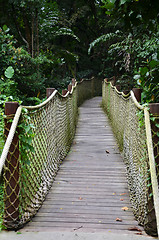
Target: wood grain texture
(90, 189)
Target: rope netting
(131, 126)
(93, 86)
(32, 164)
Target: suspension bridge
(73, 178)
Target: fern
(67, 54)
(104, 38)
(115, 47)
(66, 32)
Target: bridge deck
(90, 189)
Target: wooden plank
(69, 202)
(76, 197)
(84, 215)
(107, 195)
(109, 208)
(78, 219)
(116, 225)
(80, 229)
(86, 211)
(91, 178)
(65, 198)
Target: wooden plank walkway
(90, 189)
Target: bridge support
(73, 81)
(137, 93)
(11, 172)
(69, 87)
(118, 87)
(64, 91)
(126, 92)
(49, 91)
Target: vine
(26, 135)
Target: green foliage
(147, 69)
(3, 99)
(1, 130)
(103, 38)
(25, 137)
(135, 56)
(133, 12)
(141, 118)
(56, 31)
(9, 72)
(134, 50)
(7, 85)
(21, 75)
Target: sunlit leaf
(136, 77)
(5, 28)
(9, 72)
(123, 2)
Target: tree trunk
(18, 28)
(27, 31)
(32, 37)
(37, 33)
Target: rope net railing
(32, 157)
(93, 86)
(131, 125)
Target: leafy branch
(103, 38)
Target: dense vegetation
(48, 42)
(133, 44)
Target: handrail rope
(41, 104)
(117, 91)
(152, 165)
(85, 80)
(16, 120)
(49, 99)
(10, 138)
(138, 105)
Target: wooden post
(49, 91)
(73, 81)
(11, 172)
(118, 87)
(137, 93)
(114, 81)
(69, 87)
(92, 87)
(64, 91)
(154, 109)
(126, 92)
